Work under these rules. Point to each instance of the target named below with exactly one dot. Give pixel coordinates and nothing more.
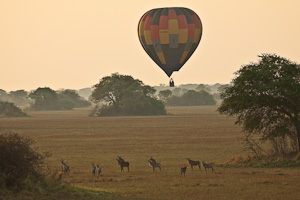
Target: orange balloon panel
(170, 36)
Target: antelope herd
(96, 169)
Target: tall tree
(164, 95)
(192, 98)
(204, 87)
(45, 99)
(3, 95)
(71, 99)
(265, 96)
(48, 99)
(124, 95)
(19, 97)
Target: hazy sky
(72, 44)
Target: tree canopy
(48, 99)
(10, 110)
(124, 95)
(19, 97)
(192, 98)
(71, 99)
(265, 96)
(164, 95)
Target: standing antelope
(183, 170)
(154, 164)
(99, 170)
(64, 167)
(123, 164)
(193, 163)
(207, 166)
(94, 169)
(120, 159)
(152, 160)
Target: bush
(19, 161)
(10, 110)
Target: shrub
(19, 161)
(10, 110)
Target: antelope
(99, 170)
(120, 159)
(183, 170)
(154, 164)
(207, 166)
(123, 164)
(193, 163)
(152, 160)
(64, 167)
(94, 169)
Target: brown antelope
(154, 164)
(120, 159)
(123, 164)
(99, 170)
(183, 170)
(94, 169)
(193, 163)
(152, 160)
(207, 166)
(64, 167)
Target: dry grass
(195, 132)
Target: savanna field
(198, 133)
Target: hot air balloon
(170, 36)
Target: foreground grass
(195, 132)
(63, 192)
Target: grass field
(199, 133)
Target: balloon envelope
(170, 36)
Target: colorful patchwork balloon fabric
(170, 36)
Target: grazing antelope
(193, 163)
(99, 170)
(154, 164)
(123, 164)
(205, 165)
(94, 169)
(183, 170)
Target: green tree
(48, 99)
(192, 98)
(45, 99)
(123, 95)
(203, 87)
(3, 95)
(85, 92)
(70, 99)
(19, 97)
(164, 95)
(19, 161)
(221, 88)
(10, 110)
(176, 91)
(265, 96)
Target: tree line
(113, 95)
(39, 99)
